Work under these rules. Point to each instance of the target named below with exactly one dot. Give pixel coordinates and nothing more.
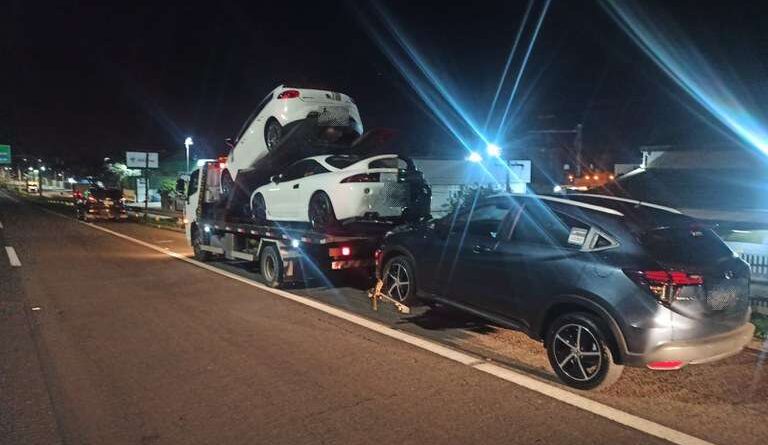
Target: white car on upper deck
(274, 116)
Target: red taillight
(289, 94)
(665, 285)
(345, 251)
(363, 177)
(91, 198)
(377, 256)
(665, 366)
(674, 277)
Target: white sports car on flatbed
(329, 189)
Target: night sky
(89, 79)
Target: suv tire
(579, 352)
(399, 279)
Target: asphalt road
(132, 346)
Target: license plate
(388, 177)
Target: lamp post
(187, 142)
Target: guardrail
(757, 263)
(757, 257)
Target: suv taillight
(665, 285)
(91, 198)
(289, 94)
(363, 177)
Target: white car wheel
(272, 133)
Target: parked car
(275, 115)
(327, 190)
(100, 203)
(602, 282)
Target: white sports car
(324, 190)
(281, 108)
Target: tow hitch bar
(376, 294)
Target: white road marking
(546, 389)
(12, 257)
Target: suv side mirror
(230, 143)
(275, 179)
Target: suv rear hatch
(712, 283)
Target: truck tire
(273, 131)
(579, 352)
(197, 239)
(271, 266)
(322, 218)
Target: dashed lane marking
(12, 257)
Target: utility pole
(146, 187)
(577, 145)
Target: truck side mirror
(181, 186)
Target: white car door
(284, 199)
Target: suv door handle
(295, 186)
(477, 248)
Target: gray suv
(604, 282)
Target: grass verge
(761, 325)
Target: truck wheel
(399, 279)
(272, 133)
(197, 239)
(271, 266)
(578, 351)
(259, 208)
(321, 214)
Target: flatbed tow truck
(284, 254)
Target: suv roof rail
(631, 201)
(584, 205)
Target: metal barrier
(758, 265)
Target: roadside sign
(519, 170)
(138, 159)
(5, 154)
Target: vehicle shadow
(437, 317)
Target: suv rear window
(685, 245)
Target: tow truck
(218, 225)
(284, 254)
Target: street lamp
(187, 142)
(493, 150)
(475, 157)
